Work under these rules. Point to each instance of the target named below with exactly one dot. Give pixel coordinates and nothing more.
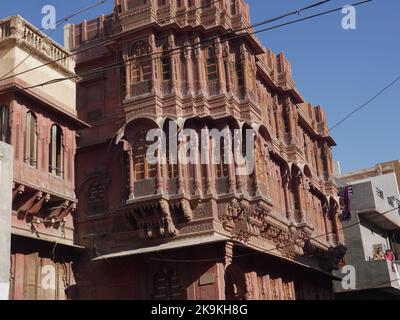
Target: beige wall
(62, 93)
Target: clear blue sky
(339, 69)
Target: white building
(373, 228)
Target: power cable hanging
(290, 13)
(103, 43)
(58, 23)
(177, 50)
(276, 248)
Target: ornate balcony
(141, 88)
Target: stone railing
(140, 88)
(5, 29)
(166, 14)
(166, 87)
(139, 17)
(26, 34)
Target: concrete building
(373, 228)
(176, 230)
(40, 123)
(379, 169)
(6, 170)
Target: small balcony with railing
(26, 35)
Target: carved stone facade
(41, 125)
(174, 75)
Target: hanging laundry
(345, 202)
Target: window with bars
(239, 72)
(143, 170)
(141, 68)
(123, 76)
(4, 124)
(212, 74)
(56, 151)
(30, 151)
(165, 64)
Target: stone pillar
(131, 173)
(339, 227)
(155, 63)
(300, 192)
(189, 71)
(180, 181)
(245, 70)
(289, 113)
(197, 169)
(241, 173)
(208, 147)
(256, 172)
(289, 211)
(231, 171)
(328, 227)
(201, 76)
(174, 74)
(159, 177)
(221, 71)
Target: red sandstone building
(40, 123)
(198, 231)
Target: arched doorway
(235, 284)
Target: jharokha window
(141, 66)
(143, 170)
(30, 151)
(56, 150)
(165, 64)
(4, 124)
(233, 7)
(212, 74)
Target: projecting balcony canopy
(165, 246)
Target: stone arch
(263, 132)
(236, 286)
(307, 171)
(295, 170)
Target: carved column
(159, 177)
(240, 169)
(207, 150)
(327, 224)
(221, 71)
(231, 169)
(245, 69)
(256, 173)
(180, 181)
(308, 212)
(155, 76)
(174, 74)
(201, 77)
(299, 187)
(189, 70)
(289, 212)
(277, 114)
(292, 125)
(197, 169)
(339, 228)
(131, 171)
